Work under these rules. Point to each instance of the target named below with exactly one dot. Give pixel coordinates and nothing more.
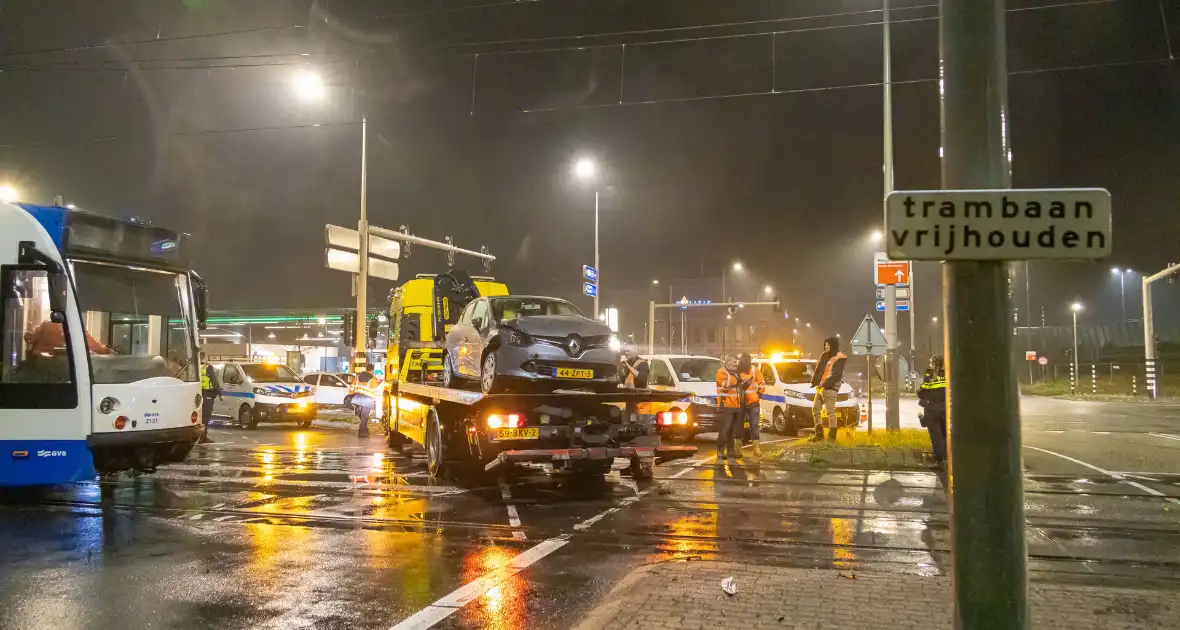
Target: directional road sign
(1061, 223)
(346, 239)
(341, 260)
(868, 338)
(886, 271)
(902, 305)
(903, 293)
(1030, 355)
(590, 274)
(589, 288)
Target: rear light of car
(509, 421)
(668, 418)
(514, 337)
(120, 422)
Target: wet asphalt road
(283, 528)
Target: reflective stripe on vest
(831, 362)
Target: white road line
(1166, 436)
(195, 517)
(224, 518)
(1108, 473)
(1100, 432)
(219, 506)
(513, 514)
(460, 597)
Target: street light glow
(876, 236)
(768, 289)
(585, 168)
(737, 266)
(308, 85)
(1116, 271)
(8, 194)
(656, 281)
(933, 320)
(1075, 307)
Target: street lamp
(768, 289)
(8, 194)
(656, 281)
(1122, 273)
(1076, 307)
(586, 170)
(876, 236)
(309, 85)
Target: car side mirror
(200, 299)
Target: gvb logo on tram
(99, 369)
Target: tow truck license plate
(574, 373)
(517, 434)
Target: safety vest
(937, 382)
(630, 380)
(754, 394)
(727, 389)
(206, 382)
(373, 388)
(830, 365)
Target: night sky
(717, 143)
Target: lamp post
(9, 194)
(1122, 273)
(586, 170)
(1076, 307)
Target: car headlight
(259, 390)
(514, 337)
(704, 400)
(614, 344)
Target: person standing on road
(364, 398)
(730, 403)
(752, 387)
(932, 399)
(210, 390)
(829, 374)
(635, 369)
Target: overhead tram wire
(687, 99)
(169, 59)
(148, 68)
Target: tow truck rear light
(120, 422)
(509, 421)
(668, 418)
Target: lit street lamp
(768, 289)
(586, 170)
(308, 85)
(876, 236)
(9, 194)
(656, 281)
(1076, 307)
(1122, 273)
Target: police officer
(210, 390)
(932, 399)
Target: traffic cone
(864, 412)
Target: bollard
(1073, 383)
(1134, 389)
(1094, 378)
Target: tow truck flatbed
(571, 430)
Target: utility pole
(892, 401)
(360, 356)
(989, 551)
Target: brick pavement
(688, 595)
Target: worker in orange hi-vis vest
(829, 374)
(729, 400)
(752, 386)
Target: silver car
(518, 339)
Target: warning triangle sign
(868, 338)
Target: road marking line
(1101, 432)
(1113, 475)
(195, 517)
(1166, 436)
(219, 506)
(513, 514)
(224, 518)
(460, 597)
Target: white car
(695, 375)
(787, 403)
(330, 389)
(263, 392)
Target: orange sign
(1030, 355)
(893, 272)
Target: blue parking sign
(590, 274)
(589, 288)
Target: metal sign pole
(869, 387)
(987, 497)
(892, 396)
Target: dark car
(527, 340)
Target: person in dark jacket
(829, 374)
(932, 399)
(210, 391)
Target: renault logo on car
(574, 345)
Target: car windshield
(506, 308)
(269, 373)
(795, 371)
(136, 322)
(696, 370)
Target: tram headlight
(107, 405)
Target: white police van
(787, 403)
(263, 391)
(692, 374)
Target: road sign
(589, 288)
(590, 274)
(886, 271)
(341, 260)
(903, 293)
(868, 338)
(1060, 223)
(1043, 360)
(349, 240)
(902, 305)
(1030, 355)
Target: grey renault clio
(514, 341)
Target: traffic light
(778, 304)
(373, 327)
(732, 308)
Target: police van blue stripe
(774, 398)
(238, 394)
